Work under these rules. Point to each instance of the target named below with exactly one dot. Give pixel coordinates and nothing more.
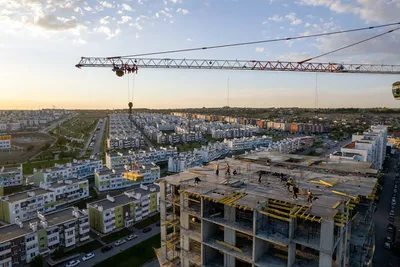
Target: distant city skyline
(42, 43)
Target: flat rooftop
(272, 187)
(123, 199)
(12, 231)
(73, 181)
(10, 170)
(315, 163)
(24, 194)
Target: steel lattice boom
(128, 65)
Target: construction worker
(295, 192)
(259, 177)
(309, 198)
(217, 169)
(234, 172)
(289, 183)
(197, 180)
(228, 169)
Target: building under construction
(251, 219)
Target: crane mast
(131, 65)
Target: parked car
(147, 229)
(388, 243)
(72, 263)
(130, 237)
(391, 219)
(106, 248)
(88, 256)
(390, 227)
(120, 242)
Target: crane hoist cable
(258, 42)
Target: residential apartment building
(123, 210)
(123, 133)
(114, 179)
(370, 146)
(184, 161)
(244, 222)
(21, 242)
(25, 205)
(248, 143)
(11, 176)
(119, 160)
(5, 142)
(76, 169)
(212, 151)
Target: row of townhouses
(183, 161)
(247, 143)
(122, 133)
(49, 197)
(5, 142)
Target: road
(382, 256)
(100, 256)
(55, 124)
(97, 143)
(89, 140)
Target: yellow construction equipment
(344, 194)
(229, 246)
(274, 216)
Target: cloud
(189, 40)
(106, 30)
(105, 20)
(176, 1)
(259, 49)
(106, 4)
(165, 13)
(137, 36)
(53, 23)
(294, 56)
(79, 41)
(293, 19)
(183, 11)
(289, 17)
(126, 7)
(381, 11)
(124, 19)
(6, 12)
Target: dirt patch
(25, 145)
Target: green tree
(29, 148)
(37, 261)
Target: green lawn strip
(148, 221)
(134, 256)
(88, 247)
(117, 235)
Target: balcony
(84, 238)
(84, 230)
(4, 252)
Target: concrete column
(326, 243)
(163, 214)
(260, 247)
(339, 249)
(292, 245)
(230, 238)
(229, 213)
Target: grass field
(149, 221)
(117, 235)
(188, 147)
(134, 256)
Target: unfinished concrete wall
(163, 214)
(326, 243)
(229, 213)
(184, 221)
(230, 238)
(260, 247)
(209, 254)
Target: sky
(42, 40)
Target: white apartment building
(119, 160)
(123, 210)
(25, 205)
(232, 133)
(5, 142)
(248, 142)
(212, 151)
(11, 176)
(21, 242)
(367, 147)
(76, 169)
(114, 179)
(184, 161)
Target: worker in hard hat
(289, 183)
(217, 169)
(197, 180)
(228, 169)
(309, 197)
(295, 192)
